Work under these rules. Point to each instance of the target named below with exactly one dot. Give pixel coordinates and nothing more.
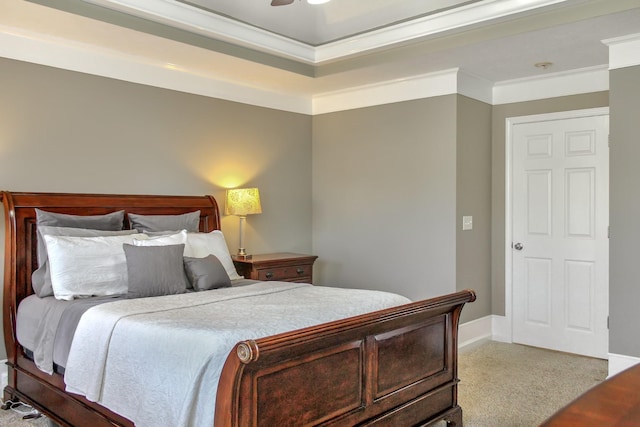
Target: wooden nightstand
(281, 266)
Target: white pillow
(41, 278)
(164, 240)
(205, 244)
(87, 266)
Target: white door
(560, 196)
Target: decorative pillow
(164, 240)
(189, 221)
(41, 278)
(206, 273)
(87, 266)
(155, 270)
(213, 243)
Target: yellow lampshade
(243, 201)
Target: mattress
(45, 326)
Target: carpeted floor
(513, 385)
(13, 418)
(506, 385)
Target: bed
(389, 367)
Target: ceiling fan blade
(281, 2)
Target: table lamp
(243, 202)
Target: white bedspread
(157, 361)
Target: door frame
(510, 122)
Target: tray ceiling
(320, 24)
(361, 42)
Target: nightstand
(281, 266)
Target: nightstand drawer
(280, 266)
(293, 272)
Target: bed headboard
(20, 258)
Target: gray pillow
(155, 270)
(41, 278)
(206, 273)
(111, 221)
(189, 221)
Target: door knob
(518, 246)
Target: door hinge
(607, 322)
(608, 140)
(608, 231)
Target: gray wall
(390, 186)
(500, 114)
(389, 183)
(384, 197)
(473, 197)
(624, 275)
(63, 131)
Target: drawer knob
(269, 275)
(300, 270)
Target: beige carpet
(13, 418)
(511, 385)
(501, 385)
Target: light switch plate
(467, 223)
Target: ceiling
(308, 49)
(320, 24)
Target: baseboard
(500, 329)
(488, 328)
(4, 375)
(620, 362)
(474, 331)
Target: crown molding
(61, 53)
(416, 87)
(624, 51)
(574, 82)
(209, 24)
(438, 23)
(446, 82)
(475, 87)
(24, 45)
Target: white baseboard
(474, 331)
(620, 362)
(4, 375)
(500, 329)
(492, 327)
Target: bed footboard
(388, 368)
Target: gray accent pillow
(41, 278)
(143, 223)
(155, 270)
(206, 273)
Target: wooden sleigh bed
(394, 367)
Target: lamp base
(242, 254)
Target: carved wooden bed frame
(394, 367)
